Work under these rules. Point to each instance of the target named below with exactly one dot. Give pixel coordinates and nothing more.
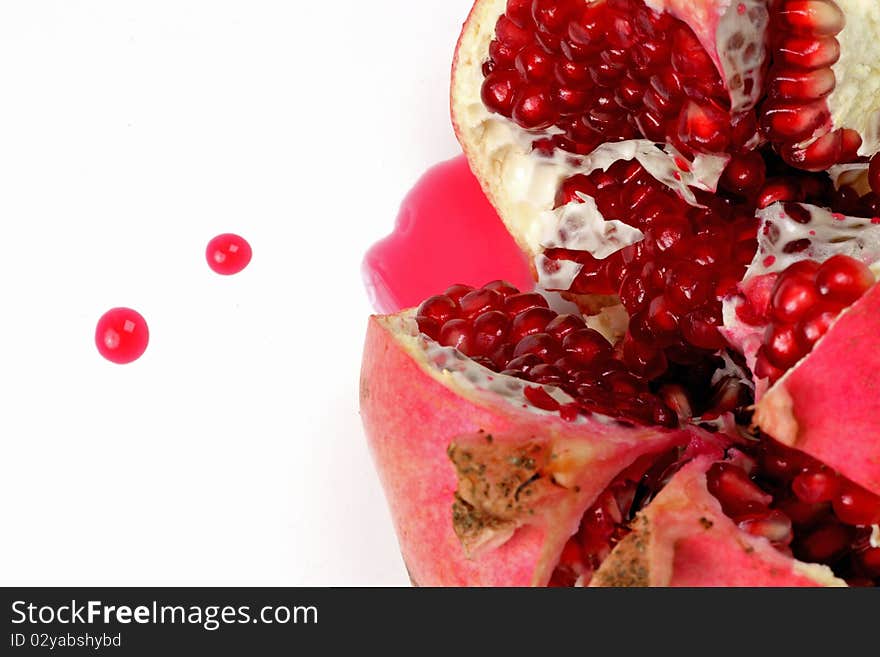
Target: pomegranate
(688, 398)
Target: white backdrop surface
(130, 134)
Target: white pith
(455, 370)
(854, 175)
(819, 573)
(830, 234)
(855, 101)
(521, 184)
(581, 227)
(875, 536)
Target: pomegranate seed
(499, 92)
(689, 286)
(439, 308)
(815, 486)
(510, 34)
(456, 292)
(530, 322)
(745, 174)
(735, 491)
(662, 318)
(704, 127)
(503, 288)
(803, 514)
(764, 369)
(792, 298)
(779, 462)
(814, 326)
(857, 506)
(809, 52)
(228, 254)
(541, 345)
(457, 333)
(540, 398)
(700, 328)
(586, 346)
(563, 325)
(547, 375)
(824, 543)
(633, 293)
(811, 17)
(429, 326)
(775, 191)
(478, 302)
(781, 346)
(644, 358)
(525, 363)
(533, 108)
(490, 330)
(121, 335)
(843, 280)
(534, 63)
(621, 382)
(518, 303)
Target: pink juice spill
(446, 232)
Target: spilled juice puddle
(446, 232)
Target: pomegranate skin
(683, 539)
(413, 414)
(828, 405)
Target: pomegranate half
(695, 187)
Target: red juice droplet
(446, 232)
(122, 335)
(228, 254)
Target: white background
(130, 134)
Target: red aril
(122, 335)
(814, 486)
(856, 506)
(228, 254)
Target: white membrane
(855, 101)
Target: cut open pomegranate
(696, 188)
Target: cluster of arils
(517, 334)
(608, 71)
(795, 115)
(672, 282)
(802, 507)
(806, 299)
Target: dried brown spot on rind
(628, 565)
(498, 489)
